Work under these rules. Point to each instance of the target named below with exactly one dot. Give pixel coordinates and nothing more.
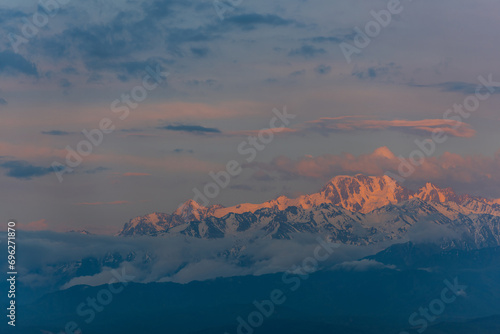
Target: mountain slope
(355, 193)
(342, 300)
(348, 209)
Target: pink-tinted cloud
(326, 125)
(29, 151)
(326, 166)
(38, 225)
(477, 173)
(421, 127)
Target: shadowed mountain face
(344, 299)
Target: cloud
(65, 83)
(57, 133)
(388, 72)
(362, 265)
(200, 52)
(12, 63)
(472, 174)
(177, 36)
(249, 21)
(101, 278)
(307, 51)
(94, 77)
(29, 151)
(182, 150)
(197, 129)
(24, 170)
(426, 231)
(70, 70)
(3, 101)
(298, 73)
(336, 39)
(342, 124)
(326, 166)
(113, 43)
(424, 127)
(456, 86)
(38, 225)
(162, 259)
(464, 88)
(323, 69)
(126, 69)
(131, 130)
(324, 39)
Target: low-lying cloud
(57, 257)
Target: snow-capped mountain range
(349, 209)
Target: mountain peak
(361, 193)
(433, 193)
(80, 232)
(358, 193)
(191, 210)
(495, 201)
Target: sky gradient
(199, 82)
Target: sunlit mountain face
(352, 210)
(250, 167)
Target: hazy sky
(228, 68)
